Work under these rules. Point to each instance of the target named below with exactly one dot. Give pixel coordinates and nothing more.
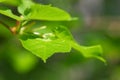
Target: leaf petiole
(5, 25)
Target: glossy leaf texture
(7, 12)
(51, 39)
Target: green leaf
(25, 6)
(89, 52)
(38, 43)
(43, 12)
(46, 48)
(2, 0)
(8, 12)
(63, 33)
(12, 2)
(44, 42)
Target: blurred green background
(99, 23)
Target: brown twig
(16, 27)
(13, 29)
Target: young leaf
(25, 5)
(61, 42)
(89, 52)
(63, 33)
(12, 2)
(43, 12)
(45, 43)
(8, 12)
(45, 48)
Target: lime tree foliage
(48, 37)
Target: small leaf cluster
(49, 37)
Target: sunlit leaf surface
(49, 40)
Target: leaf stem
(29, 26)
(17, 25)
(5, 25)
(13, 29)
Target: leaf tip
(101, 59)
(44, 60)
